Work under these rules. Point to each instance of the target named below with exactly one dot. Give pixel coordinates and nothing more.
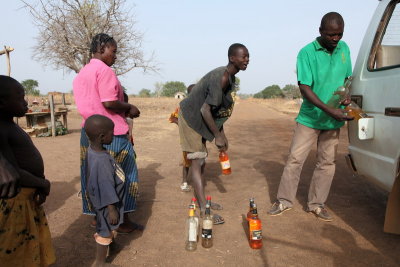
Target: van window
(385, 52)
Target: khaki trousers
(302, 142)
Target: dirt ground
(259, 133)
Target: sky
(189, 38)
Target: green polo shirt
(324, 72)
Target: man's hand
(39, 197)
(113, 216)
(339, 114)
(220, 142)
(133, 112)
(9, 177)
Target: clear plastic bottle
(340, 94)
(191, 230)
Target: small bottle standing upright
(250, 213)
(206, 231)
(255, 229)
(208, 200)
(193, 204)
(225, 164)
(191, 230)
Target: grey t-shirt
(105, 186)
(207, 90)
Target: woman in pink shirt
(97, 90)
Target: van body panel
(377, 158)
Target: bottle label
(256, 235)
(206, 233)
(192, 231)
(225, 164)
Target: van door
(376, 88)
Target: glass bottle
(250, 213)
(206, 231)
(255, 230)
(191, 230)
(225, 164)
(193, 204)
(355, 111)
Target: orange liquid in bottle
(225, 164)
(255, 232)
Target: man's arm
(337, 114)
(207, 116)
(122, 107)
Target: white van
(375, 142)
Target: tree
(66, 29)
(158, 86)
(291, 91)
(144, 93)
(272, 91)
(30, 87)
(171, 88)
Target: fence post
(52, 116)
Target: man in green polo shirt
(322, 66)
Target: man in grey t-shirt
(203, 113)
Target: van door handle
(395, 112)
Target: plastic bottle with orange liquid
(255, 230)
(225, 164)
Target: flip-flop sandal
(135, 227)
(216, 206)
(217, 219)
(185, 187)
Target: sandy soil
(259, 133)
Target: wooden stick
(52, 117)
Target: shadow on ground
(78, 239)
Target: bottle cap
(208, 197)
(194, 199)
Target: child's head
(12, 98)
(99, 129)
(190, 87)
(104, 47)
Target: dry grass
(286, 106)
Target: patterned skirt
(124, 154)
(25, 239)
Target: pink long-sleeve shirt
(97, 83)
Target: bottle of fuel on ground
(225, 164)
(250, 212)
(193, 204)
(191, 231)
(206, 231)
(255, 230)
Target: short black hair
(330, 18)
(99, 41)
(6, 85)
(190, 87)
(96, 125)
(234, 47)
